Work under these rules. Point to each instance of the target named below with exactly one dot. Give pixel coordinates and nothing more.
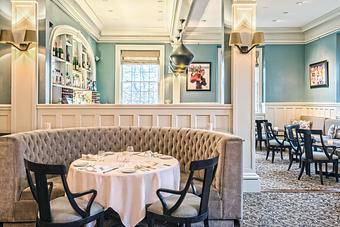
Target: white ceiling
(297, 16)
(210, 15)
(131, 16)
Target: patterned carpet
(286, 201)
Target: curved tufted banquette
(63, 146)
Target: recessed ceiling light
(277, 20)
(204, 20)
(301, 3)
(265, 7)
(285, 12)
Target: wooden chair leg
(268, 151)
(206, 222)
(336, 170)
(316, 167)
(290, 160)
(282, 149)
(150, 220)
(326, 170)
(302, 170)
(273, 155)
(100, 221)
(320, 171)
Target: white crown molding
(84, 5)
(134, 39)
(203, 35)
(74, 10)
(283, 35)
(318, 28)
(320, 20)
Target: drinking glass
(129, 149)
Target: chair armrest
(161, 198)
(80, 194)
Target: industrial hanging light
(181, 57)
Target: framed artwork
(318, 74)
(199, 76)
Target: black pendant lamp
(181, 57)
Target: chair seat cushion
(215, 199)
(275, 143)
(320, 156)
(62, 210)
(264, 136)
(57, 191)
(189, 207)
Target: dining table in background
(125, 181)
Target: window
(140, 79)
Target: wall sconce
(27, 38)
(235, 40)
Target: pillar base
(251, 182)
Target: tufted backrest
(63, 146)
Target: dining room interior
(169, 113)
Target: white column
(24, 69)
(243, 65)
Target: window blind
(140, 57)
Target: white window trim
(118, 70)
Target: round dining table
(125, 181)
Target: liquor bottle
(55, 49)
(61, 53)
(74, 62)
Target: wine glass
(129, 149)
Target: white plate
(165, 157)
(91, 169)
(80, 164)
(128, 170)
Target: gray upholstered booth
(63, 146)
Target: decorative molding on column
(243, 68)
(24, 69)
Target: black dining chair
(182, 207)
(274, 143)
(318, 154)
(260, 136)
(66, 211)
(296, 143)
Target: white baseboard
(251, 182)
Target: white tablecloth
(126, 193)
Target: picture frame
(195, 81)
(318, 74)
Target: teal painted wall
(320, 50)
(202, 53)
(284, 73)
(106, 73)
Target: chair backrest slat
(209, 167)
(259, 126)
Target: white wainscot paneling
(5, 118)
(281, 113)
(202, 116)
